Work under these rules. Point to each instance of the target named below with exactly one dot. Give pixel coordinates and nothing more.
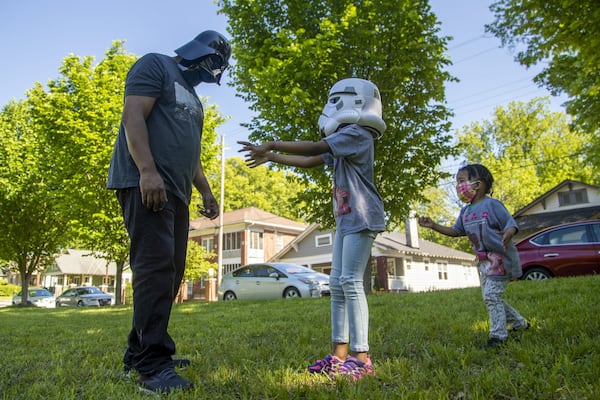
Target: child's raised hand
(254, 149)
(256, 155)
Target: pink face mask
(465, 191)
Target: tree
(198, 262)
(563, 35)
(270, 190)
(288, 54)
(31, 196)
(528, 149)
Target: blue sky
(38, 34)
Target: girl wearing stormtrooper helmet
(350, 122)
(490, 228)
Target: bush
(7, 289)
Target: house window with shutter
(572, 197)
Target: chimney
(412, 233)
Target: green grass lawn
(424, 346)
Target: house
(250, 235)
(569, 201)
(81, 267)
(399, 262)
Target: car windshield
(39, 293)
(94, 290)
(291, 269)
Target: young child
(490, 228)
(350, 122)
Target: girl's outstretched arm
(304, 154)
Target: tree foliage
(268, 189)
(197, 263)
(31, 196)
(289, 53)
(564, 36)
(528, 150)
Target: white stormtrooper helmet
(352, 101)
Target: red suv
(562, 250)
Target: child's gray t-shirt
(483, 223)
(357, 205)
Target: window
(208, 244)
(572, 197)
(256, 240)
(232, 241)
(569, 235)
(391, 266)
(279, 242)
(323, 240)
(230, 267)
(442, 272)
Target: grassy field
(424, 346)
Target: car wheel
(229, 296)
(291, 293)
(57, 304)
(536, 274)
(80, 303)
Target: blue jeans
(349, 308)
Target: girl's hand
(254, 149)
(254, 160)
(506, 237)
(255, 155)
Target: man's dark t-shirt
(174, 127)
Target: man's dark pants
(157, 258)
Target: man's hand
(152, 188)
(210, 207)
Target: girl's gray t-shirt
(357, 205)
(483, 223)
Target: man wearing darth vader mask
(155, 164)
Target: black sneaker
(164, 381)
(493, 343)
(177, 362)
(181, 362)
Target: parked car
(38, 297)
(84, 296)
(564, 250)
(272, 281)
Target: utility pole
(221, 201)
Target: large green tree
(528, 149)
(289, 53)
(32, 199)
(564, 37)
(79, 115)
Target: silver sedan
(273, 281)
(84, 296)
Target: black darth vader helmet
(209, 53)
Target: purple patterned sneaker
(325, 365)
(354, 368)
